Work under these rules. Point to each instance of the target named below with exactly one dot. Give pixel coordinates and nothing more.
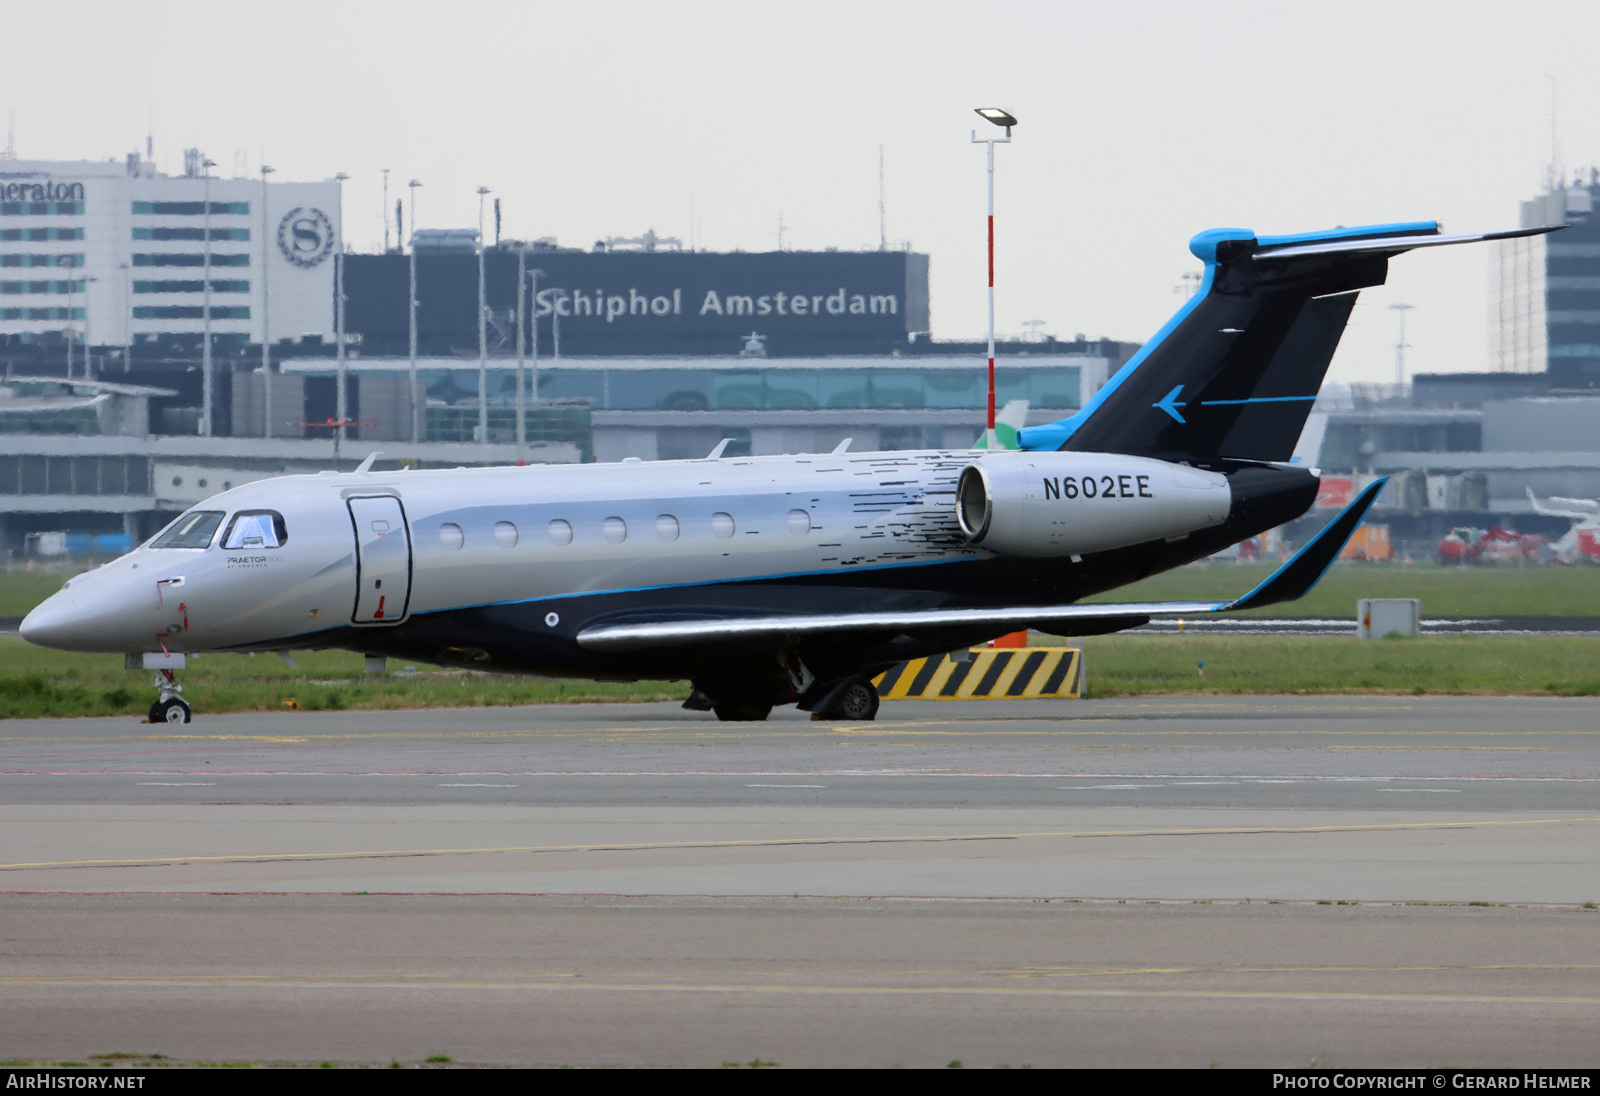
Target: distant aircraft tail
(1008, 423)
(1234, 373)
(1577, 509)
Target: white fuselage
(476, 537)
(341, 559)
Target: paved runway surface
(1100, 882)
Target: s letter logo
(305, 236)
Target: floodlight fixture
(998, 116)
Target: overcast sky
(1140, 124)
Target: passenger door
(383, 560)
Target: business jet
(783, 579)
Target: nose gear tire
(170, 711)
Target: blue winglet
(1307, 566)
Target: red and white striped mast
(1006, 121)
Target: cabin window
(667, 527)
(505, 534)
(615, 530)
(191, 530)
(722, 525)
(451, 536)
(799, 522)
(560, 532)
(255, 529)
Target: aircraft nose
(61, 622)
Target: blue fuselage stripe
(1255, 399)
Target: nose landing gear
(170, 708)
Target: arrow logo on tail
(1170, 404)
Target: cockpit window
(192, 530)
(255, 529)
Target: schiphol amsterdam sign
(305, 236)
(618, 306)
(47, 191)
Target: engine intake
(1068, 504)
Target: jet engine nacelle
(1069, 504)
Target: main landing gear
(742, 712)
(170, 708)
(743, 700)
(858, 702)
(728, 709)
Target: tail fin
(1234, 373)
(1008, 423)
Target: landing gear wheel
(170, 711)
(742, 713)
(170, 708)
(859, 702)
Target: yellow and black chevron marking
(993, 673)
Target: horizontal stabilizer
(1388, 245)
(1235, 372)
(1288, 582)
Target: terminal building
(113, 272)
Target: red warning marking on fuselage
(379, 614)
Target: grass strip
(1459, 665)
(1445, 591)
(35, 682)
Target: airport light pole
(72, 289)
(205, 308)
(266, 338)
(127, 319)
(418, 407)
(483, 333)
(522, 280)
(88, 342)
(1005, 121)
(530, 296)
(342, 408)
